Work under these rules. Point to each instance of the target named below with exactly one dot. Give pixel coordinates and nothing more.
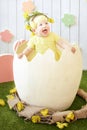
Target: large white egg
(47, 82)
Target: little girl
(43, 39)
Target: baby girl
(44, 39)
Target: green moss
(9, 119)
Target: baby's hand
(19, 43)
(73, 49)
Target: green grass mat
(9, 119)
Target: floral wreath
(34, 14)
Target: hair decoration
(30, 13)
(32, 16)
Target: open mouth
(45, 31)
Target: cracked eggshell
(47, 82)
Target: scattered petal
(20, 106)
(10, 97)
(68, 20)
(36, 119)
(44, 112)
(12, 91)
(2, 102)
(70, 117)
(6, 36)
(28, 6)
(61, 125)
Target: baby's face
(42, 29)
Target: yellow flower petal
(44, 112)
(26, 15)
(35, 119)
(51, 20)
(65, 124)
(20, 106)
(70, 117)
(27, 27)
(2, 102)
(68, 120)
(10, 97)
(61, 125)
(12, 91)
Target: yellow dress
(42, 44)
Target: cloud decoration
(68, 20)
(28, 6)
(6, 36)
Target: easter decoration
(6, 60)
(6, 36)
(47, 72)
(68, 20)
(2, 102)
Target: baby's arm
(26, 52)
(65, 44)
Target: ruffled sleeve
(31, 43)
